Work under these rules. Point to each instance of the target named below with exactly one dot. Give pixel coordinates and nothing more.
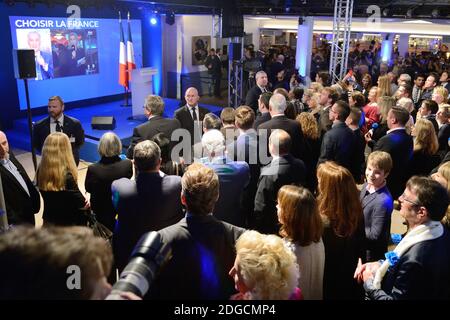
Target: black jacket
(422, 272)
(20, 207)
(71, 127)
(64, 208)
(281, 171)
(251, 99)
(339, 145)
(203, 252)
(148, 130)
(290, 126)
(183, 115)
(399, 145)
(99, 178)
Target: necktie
(194, 114)
(58, 126)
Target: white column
(386, 47)
(304, 47)
(403, 44)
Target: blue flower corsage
(392, 257)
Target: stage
(19, 137)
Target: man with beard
(57, 121)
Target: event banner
(63, 47)
(80, 54)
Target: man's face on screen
(55, 109)
(73, 41)
(34, 41)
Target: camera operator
(251, 65)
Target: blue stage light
(153, 21)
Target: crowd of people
(288, 196)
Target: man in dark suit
(148, 203)
(338, 144)
(251, 99)
(399, 145)
(359, 160)
(57, 121)
(214, 66)
(21, 197)
(203, 248)
(245, 148)
(153, 110)
(420, 265)
(442, 117)
(284, 169)
(263, 107)
(277, 106)
(428, 110)
(75, 59)
(190, 117)
(328, 97)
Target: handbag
(98, 228)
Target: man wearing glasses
(419, 267)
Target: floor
(25, 158)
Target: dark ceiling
(394, 8)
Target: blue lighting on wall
(152, 47)
(386, 50)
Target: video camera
(148, 256)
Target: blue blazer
(149, 203)
(377, 209)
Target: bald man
(21, 197)
(190, 116)
(283, 169)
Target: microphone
(374, 126)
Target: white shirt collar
(395, 129)
(59, 119)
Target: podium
(142, 86)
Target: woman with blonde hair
(264, 269)
(384, 86)
(316, 86)
(426, 145)
(311, 139)
(440, 95)
(314, 106)
(301, 228)
(344, 233)
(57, 181)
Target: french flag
(130, 51)
(123, 76)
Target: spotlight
(153, 20)
(386, 12)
